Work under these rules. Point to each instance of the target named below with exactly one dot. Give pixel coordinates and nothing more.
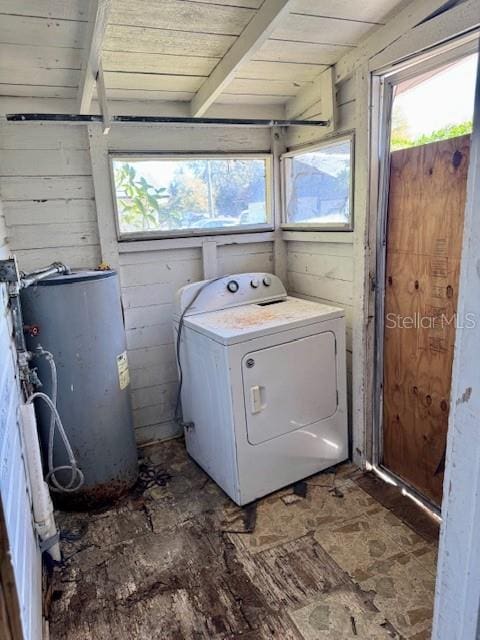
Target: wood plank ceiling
(164, 51)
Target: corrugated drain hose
(77, 477)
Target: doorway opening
(424, 143)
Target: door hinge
(337, 397)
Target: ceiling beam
(245, 46)
(98, 19)
(319, 93)
(102, 98)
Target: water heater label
(123, 374)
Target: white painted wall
(150, 278)
(323, 269)
(47, 190)
(323, 272)
(397, 40)
(51, 214)
(14, 488)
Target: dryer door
(289, 386)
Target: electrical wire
(178, 415)
(77, 477)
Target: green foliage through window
(140, 202)
(156, 194)
(400, 140)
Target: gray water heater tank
(78, 318)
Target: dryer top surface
(245, 322)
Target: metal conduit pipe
(28, 279)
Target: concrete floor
(332, 558)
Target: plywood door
(424, 241)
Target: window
(435, 105)
(318, 186)
(164, 196)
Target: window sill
(158, 244)
(329, 237)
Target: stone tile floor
(176, 559)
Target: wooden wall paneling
(145, 40)
(76, 257)
(153, 82)
(10, 617)
(33, 77)
(134, 62)
(175, 15)
(73, 10)
(285, 71)
(248, 4)
(187, 139)
(374, 11)
(46, 185)
(305, 52)
(243, 258)
(20, 558)
(458, 572)
(318, 29)
(42, 31)
(424, 243)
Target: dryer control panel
(230, 291)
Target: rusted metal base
(94, 497)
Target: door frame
(383, 82)
(457, 601)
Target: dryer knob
(254, 283)
(267, 281)
(233, 286)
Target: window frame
(193, 232)
(286, 185)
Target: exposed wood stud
(209, 258)
(103, 196)
(279, 243)
(257, 31)
(99, 13)
(102, 97)
(322, 91)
